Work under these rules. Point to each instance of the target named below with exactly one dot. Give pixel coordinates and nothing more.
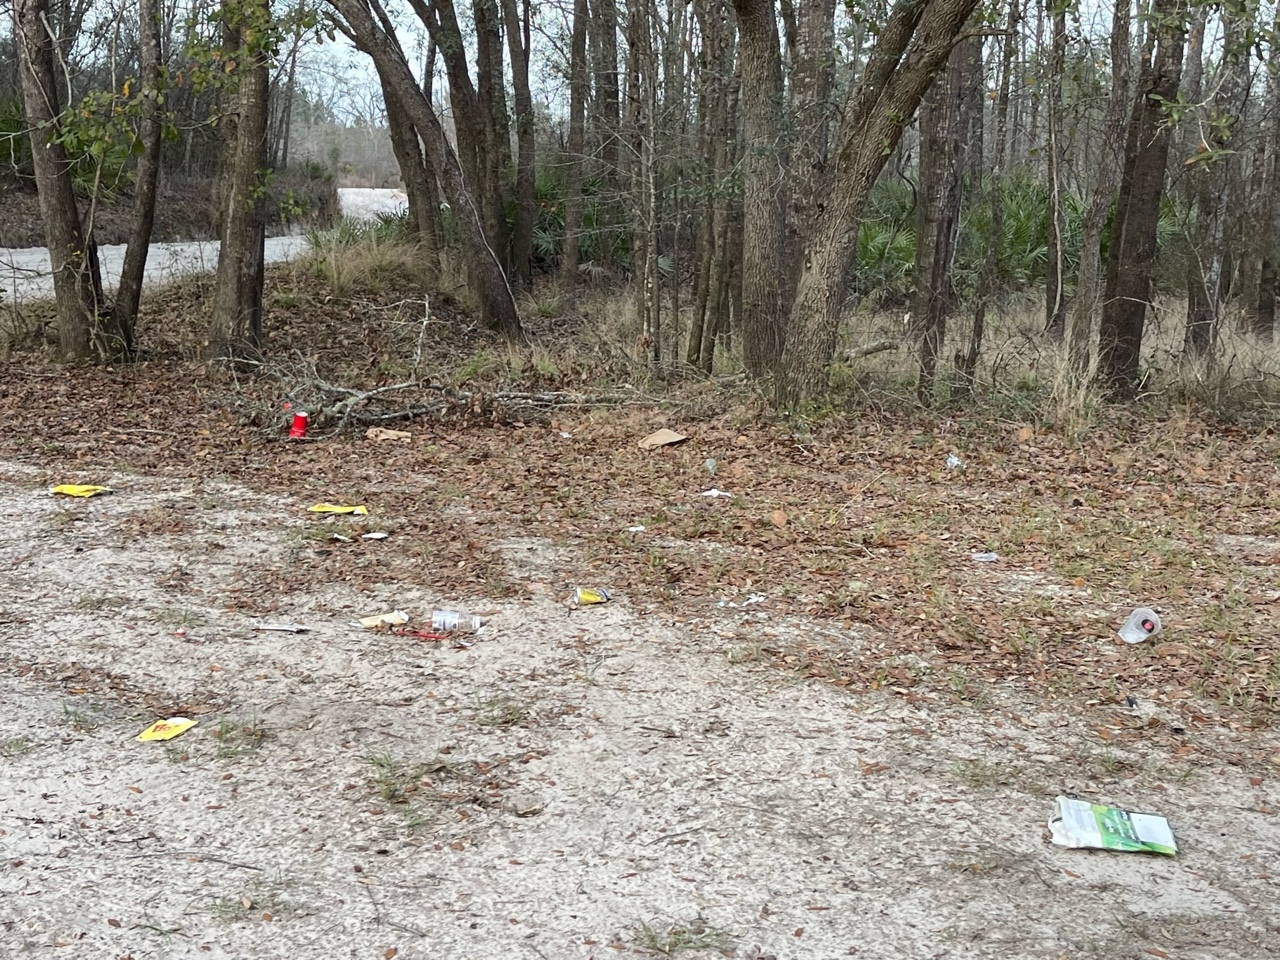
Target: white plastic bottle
(455, 621)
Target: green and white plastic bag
(1078, 823)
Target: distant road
(24, 271)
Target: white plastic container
(1142, 624)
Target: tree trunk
(441, 21)
(714, 70)
(419, 181)
(973, 108)
(279, 139)
(526, 206)
(577, 144)
(1265, 314)
(124, 311)
(988, 278)
(763, 194)
(604, 20)
(813, 79)
(1054, 304)
(642, 74)
(1131, 253)
(1035, 75)
(488, 282)
(1206, 281)
(495, 127)
(235, 329)
(717, 117)
(76, 289)
(1106, 180)
(913, 45)
(938, 214)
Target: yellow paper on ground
(337, 508)
(167, 729)
(79, 490)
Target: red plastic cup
(299, 428)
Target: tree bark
(715, 67)
(938, 214)
(608, 100)
(1131, 253)
(1054, 303)
(812, 83)
(576, 146)
(1106, 180)
(1265, 313)
(642, 74)
(913, 45)
(487, 280)
(76, 289)
(441, 20)
(967, 363)
(491, 97)
(526, 207)
(1214, 179)
(124, 311)
(764, 198)
(235, 329)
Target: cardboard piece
(382, 433)
(662, 438)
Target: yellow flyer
(167, 729)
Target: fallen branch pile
(336, 407)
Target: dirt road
(570, 784)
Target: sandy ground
(572, 784)
(24, 273)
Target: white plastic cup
(1142, 623)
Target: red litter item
(299, 428)
(421, 634)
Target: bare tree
(988, 277)
(764, 198)
(124, 310)
(77, 284)
(376, 37)
(235, 329)
(1106, 179)
(1264, 322)
(606, 115)
(1131, 253)
(717, 119)
(516, 22)
(1055, 302)
(913, 45)
(1216, 167)
(811, 42)
(415, 173)
(942, 149)
(578, 92)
